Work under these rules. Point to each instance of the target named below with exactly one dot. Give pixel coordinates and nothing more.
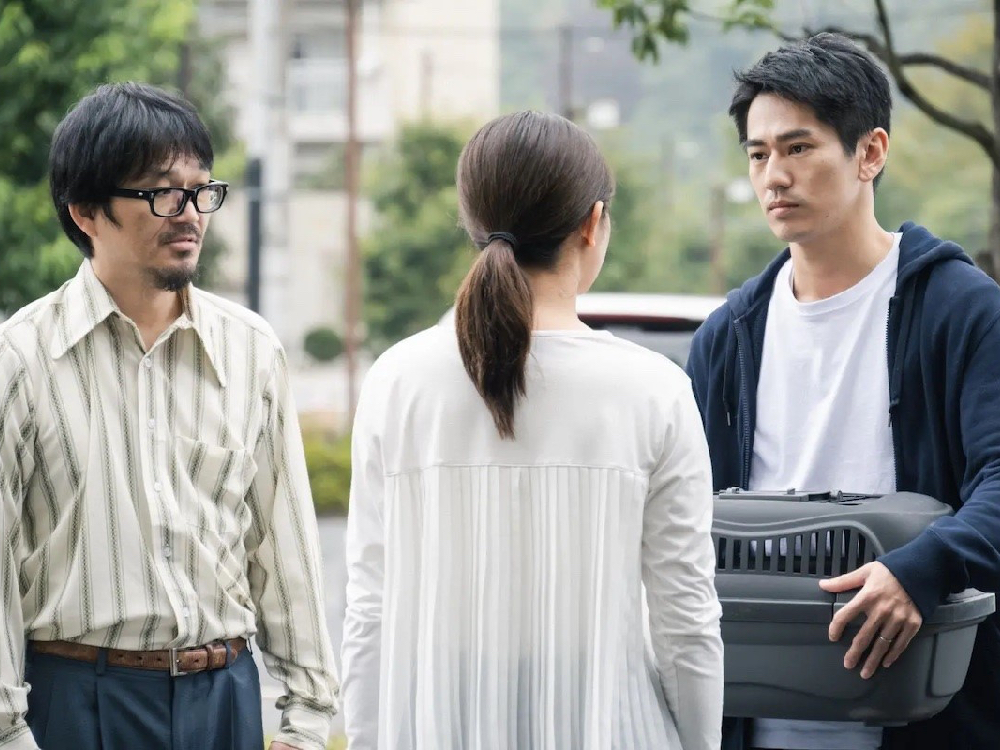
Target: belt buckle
(175, 670)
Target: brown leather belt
(177, 661)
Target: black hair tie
(505, 236)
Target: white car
(664, 323)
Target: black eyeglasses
(166, 202)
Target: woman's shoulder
(627, 361)
(408, 358)
(603, 370)
(416, 347)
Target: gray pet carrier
(772, 549)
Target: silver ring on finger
(887, 640)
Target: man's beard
(174, 279)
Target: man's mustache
(183, 232)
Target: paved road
(331, 535)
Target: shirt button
(157, 486)
(167, 551)
(152, 424)
(186, 612)
(148, 363)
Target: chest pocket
(212, 485)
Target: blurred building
(286, 74)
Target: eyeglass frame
(190, 194)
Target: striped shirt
(156, 499)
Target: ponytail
(526, 182)
(493, 318)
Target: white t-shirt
(823, 424)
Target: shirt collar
(87, 304)
(208, 325)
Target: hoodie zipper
(745, 398)
(892, 365)
(889, 366)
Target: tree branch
(911, 59)
(701, 15)
(877, 48)
(884, 51)
(883, 23)
(973, 130)
(970, 75)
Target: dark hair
(535, 177)
(115, 134)
(839, 81)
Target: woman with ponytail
(516, 480)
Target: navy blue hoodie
(943, 345)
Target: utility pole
(426, 83)
(668, 154)
(352, 296)
(184, 68)
(252, 186)
(269, 146)
(717, 238)
(566, 71)
(259, 39)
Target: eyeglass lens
(171, 202)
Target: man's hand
(892, 617)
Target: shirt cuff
(924, 570)
(18, 737)
(303, 727)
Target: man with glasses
(155, 511)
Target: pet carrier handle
(802, 496)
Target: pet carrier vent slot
(820, 554)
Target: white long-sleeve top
(495, 595)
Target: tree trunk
(993, 246)
(989, 259)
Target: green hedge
(323, 344)
(328, 460)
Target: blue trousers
(74, 705)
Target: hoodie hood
(918, 250)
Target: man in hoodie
(862, 359)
